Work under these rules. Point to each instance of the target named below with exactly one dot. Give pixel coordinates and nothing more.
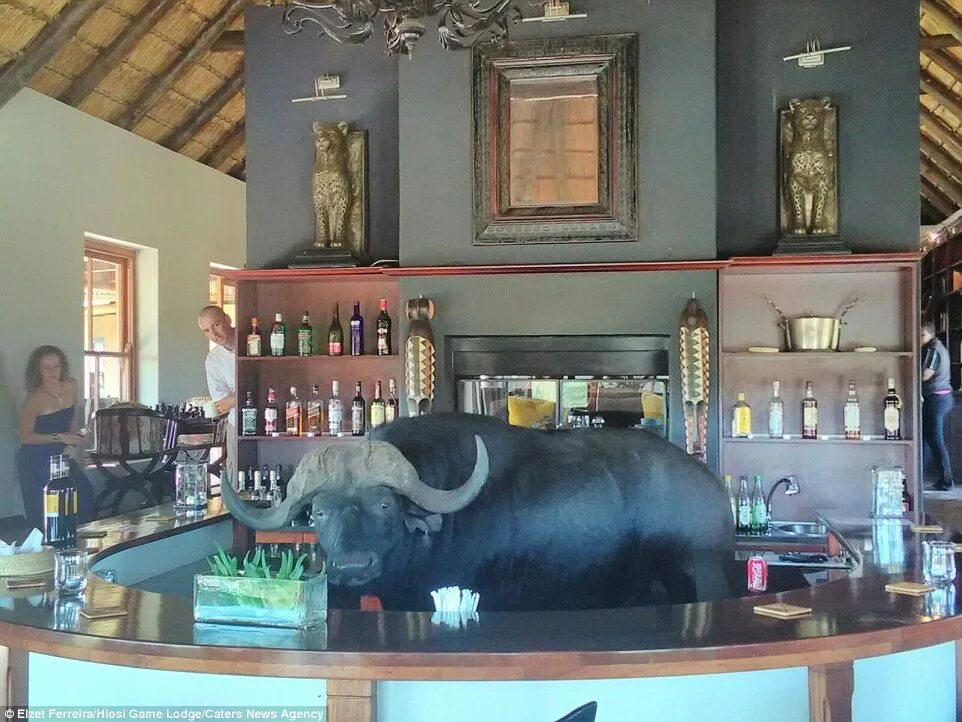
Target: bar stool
(585, 713)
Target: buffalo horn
(274, 518)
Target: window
(223, 293)
(108, 326)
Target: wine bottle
(390, 409)
(776, 414)
(294, 418)
(270, 414)
(357, 331)
(278, 336)
(314, 413)
(335, 335)
(892, 413)
(249, 416)
(305, 337)
(851, 415)
(335, 410)
(809, 413)
(357, 412)
(383, 331)
(378, 407)
(254, 339)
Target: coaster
(926, 528)
(913, 589)
(779, 610)
(103, 612)
(91, 534)
(26, 582)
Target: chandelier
(461, 23)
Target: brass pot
(812, 333)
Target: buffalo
(532, 520)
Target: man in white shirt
(217, 327)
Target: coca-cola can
(757, 573)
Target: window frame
(125, 259)
(222, 282)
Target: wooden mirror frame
(613, 59)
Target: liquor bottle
(809, 413)
(357, 331)
(278, 336)
(60, 505)
(254, 339)
(249, 416)
(314, 413)
(741, 418)
(305, 337)
(281, 484)
(241, 481)
(273, 492)
(383, 331)
(257, 491)
(335, 411)
(731, 498)
(335, 336)
(270, 415)
(851, 415)
(906, 497)
(744, 524)
(892, 414)
(759, 521)
(776, 414)
(390, 409)
(357, 412)
(294, 418)
(378, 408)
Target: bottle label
(304, 343)
(270, 421)
(293, 420)
(378, 415)
(277, 344)
(742, 421)
(253, 345)
(314, 417)
(759, 514)
(357, 419)
(890, 419)
(51, 504)
(851, 418)
(776, 427)
(249, 422)
(744, 515)
(334, 348)
(810, 418)
(390, 413)
(334, 417)
(383, 348)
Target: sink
(799, 528)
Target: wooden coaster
(26, 582)
(779, 610)
(913, 589)
(103, 612)
(926, 528)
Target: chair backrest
(585, 713)
(133, 432)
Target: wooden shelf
(313, 439)
(831, 440)
(815, 354)
(318, 358)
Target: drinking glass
(190, 479)
(70, 568)
(938, 561)
(887, 492)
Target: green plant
(256, 567)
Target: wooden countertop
(853, 617)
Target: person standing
(221, 378)
(49, 424)
(937, 402)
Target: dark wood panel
(830, 689)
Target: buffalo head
(358, 497)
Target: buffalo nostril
(353, 562)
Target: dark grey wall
(875, 86)
(569, 304)
(676, 139)
(280, 150)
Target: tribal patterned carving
(694, 357)
(420, 369)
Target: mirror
(554, 140)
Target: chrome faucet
(791, 488)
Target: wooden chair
(585, 713)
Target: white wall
(63, 174)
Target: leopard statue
(331, 185)
(808, 148)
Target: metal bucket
(812, 333)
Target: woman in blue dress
(48, 425)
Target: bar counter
(854, 618)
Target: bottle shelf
(828, 439)
(815, 354)
(315, 439)
(319, 358)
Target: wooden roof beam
(938, 155)
(156, 88)
(223, 150)
(944, 96)
(944, 16)
(113, 55)
(42, 48)
(180, 136)
(930, 42)
(932, 173)
(232, 41)
(936, 127)
(939, 201)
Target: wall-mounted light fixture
(323, 85)
(814, 56)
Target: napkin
(32, 544)
(454, 607)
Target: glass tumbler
(190, 479)
(70, 568)
(938, 561)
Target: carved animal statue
(530, 519)
(809, 165)
(331, 184)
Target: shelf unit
(261, 293)
(942, 299)
(833, 472)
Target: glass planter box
(260, 602)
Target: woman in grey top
(936, 405)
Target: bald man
(216, 326)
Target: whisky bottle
(314, 413)
(383, 331)
(249, 416)
(731, 498)
(741, 418)
(357, 411)
(809, 413)
(305, 337)
(357, 331)
(390, 409)
(60, 505)
(378, 407)
(278, 336)
(776, 414)
(257, 490)
(294, 419)
(892, 414)
(759, 521)
(335, 411)
(851, 415)
(335, 335)
(270, 414)
(744, 507)
(254, 339)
